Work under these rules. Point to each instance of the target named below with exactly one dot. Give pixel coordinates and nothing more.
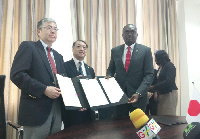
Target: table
(117, 129)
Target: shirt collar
(76, 61)
(132, 46)
(44, 44)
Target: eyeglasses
(51, 28)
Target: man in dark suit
(132, 66)
(76, 67)
(33, 71)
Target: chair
(2, 113)
(2, 108)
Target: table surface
(116, 129)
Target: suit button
(53, 82)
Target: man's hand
(134, 98)
(108, 77)
(83, 109)
(52, 92)
(149, 94)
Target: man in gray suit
(132, 66)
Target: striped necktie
(52, 63)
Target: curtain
(100, 24)
(18, 20)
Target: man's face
(79, 50)
(48, 33)
(129, 34)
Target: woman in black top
(165, 86)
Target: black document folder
(91, 93)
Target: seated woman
(165, 85)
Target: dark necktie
(80, 68)
(53, 66)
(128, 58)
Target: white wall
(188, 15)
(61, 13)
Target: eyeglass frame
(50, 28)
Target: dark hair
(80, 41)
(161, 57)
(129, 25)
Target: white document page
(68, 92)
(112, 89)
(93, 92)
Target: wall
(188, 13)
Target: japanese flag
(193, 114)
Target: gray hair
(41, 22)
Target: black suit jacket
(74, 117)
(166, 79)
(31, 72)
(72, 72)
(140, 72)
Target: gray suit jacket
(139, 76)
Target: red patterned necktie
(128, 58)
(53, 66)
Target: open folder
(90, 93)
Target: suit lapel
(87, 69)
(57, 60)
(121, 51)
(43, 55)
(133, 56)
(73, 67)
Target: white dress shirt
(125, 51)
(77, 65)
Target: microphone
(192, 131)
(148, 129)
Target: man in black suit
(76, 67)
(132, 66)
(33, 71)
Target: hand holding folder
(90, 93)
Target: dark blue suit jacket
(31, 72)
(74, 117)
(72, 72)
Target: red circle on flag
(194, 108)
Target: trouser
(51, 126)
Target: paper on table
(93, 92)
(112, 89)
(68, 93)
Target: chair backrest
(2, 108)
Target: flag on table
(193, 114)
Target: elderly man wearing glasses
(33, 71)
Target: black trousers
(152, 107)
